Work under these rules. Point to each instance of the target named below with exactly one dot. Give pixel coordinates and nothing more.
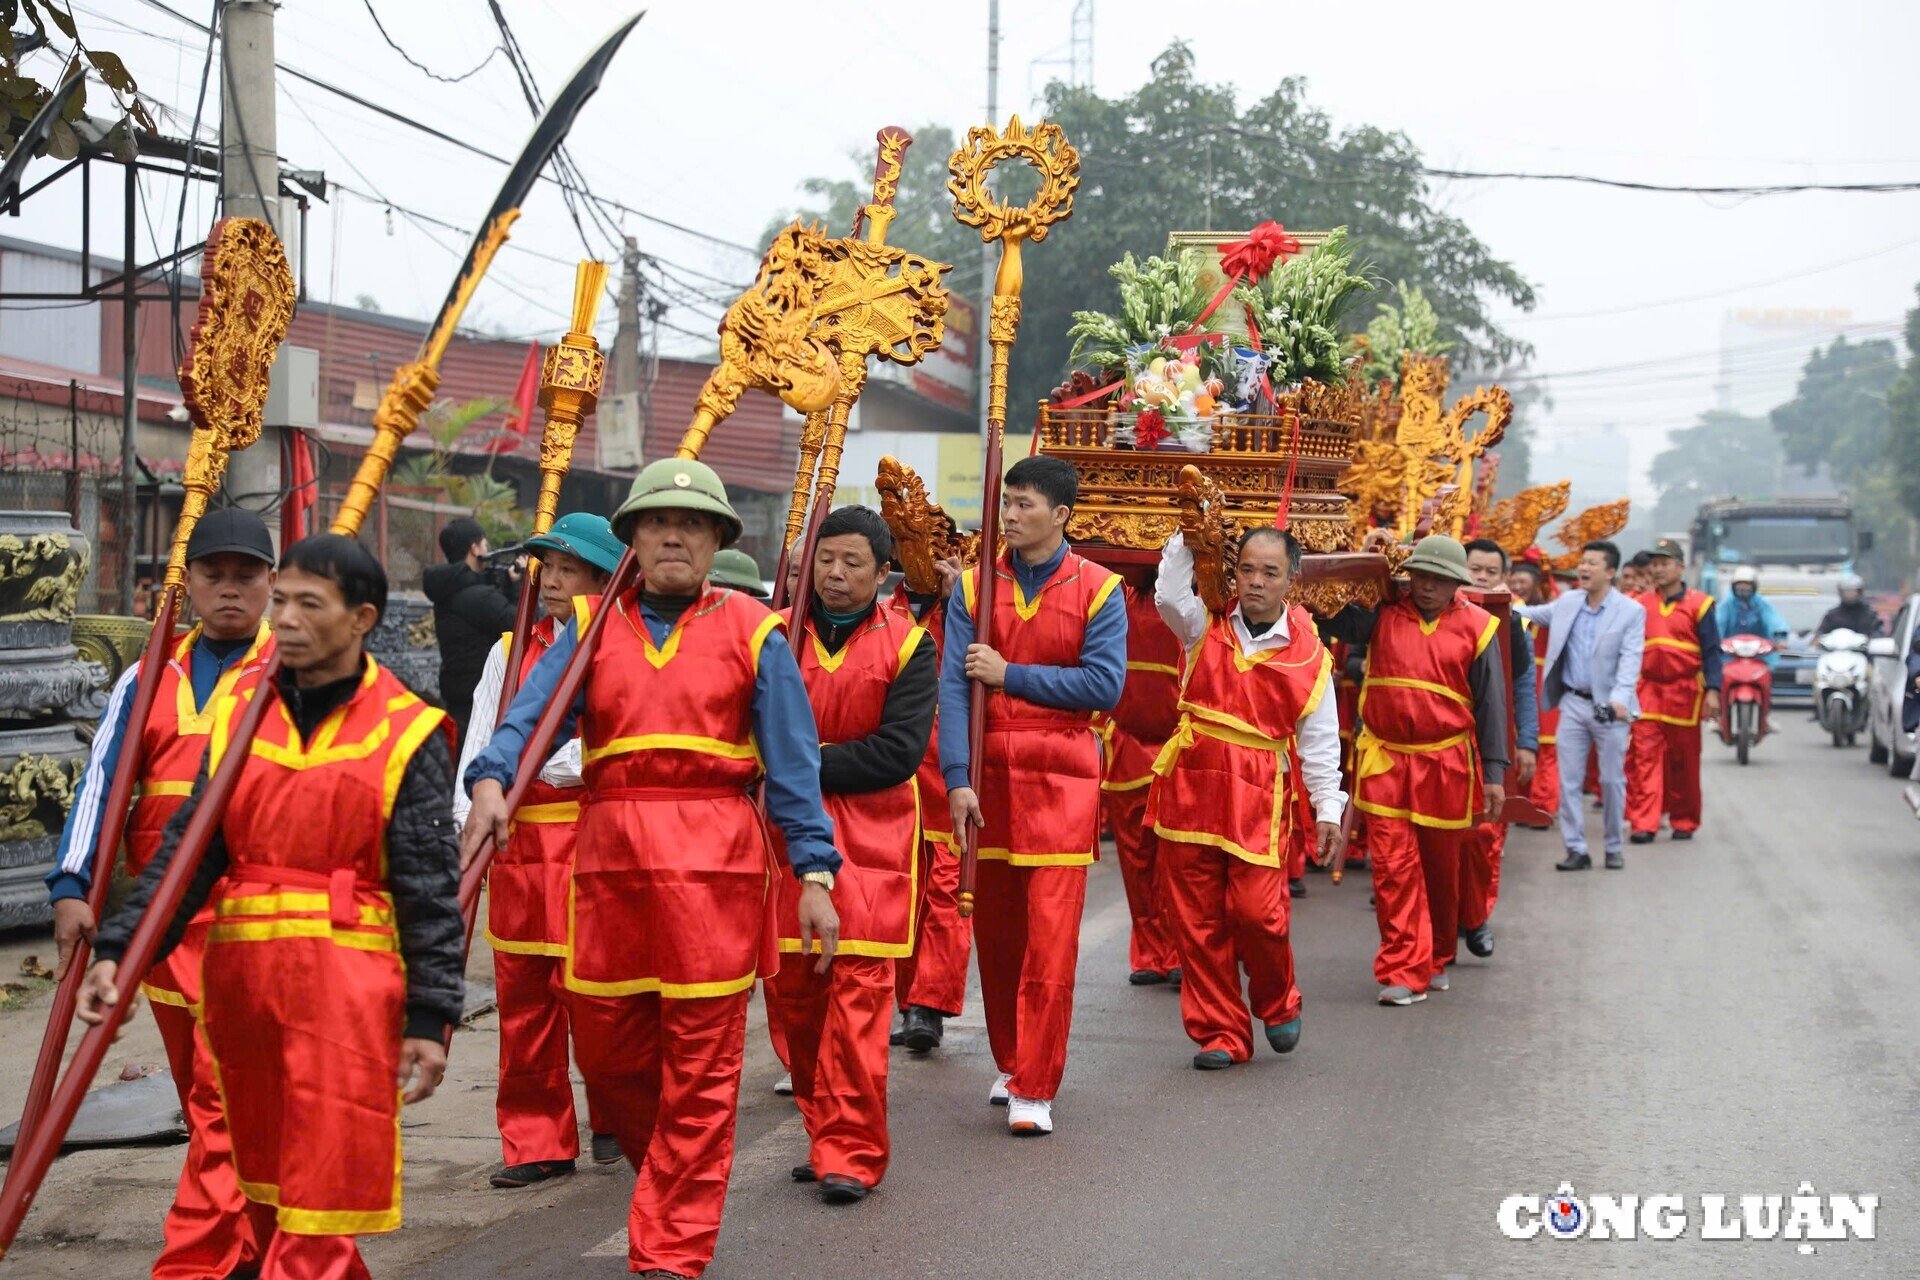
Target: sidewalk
(99, 1211)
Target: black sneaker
(838, 1188)
(924, 1029)
(1146, 978)
(1575, 862)
(1480, 941)
(1683, 835)
(1615, 860)
(525, 1175)
(606, 1149)
(1641, 837)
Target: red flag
(301, 491)
(520, 412)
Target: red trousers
(1663, 775)
(668, 1074)
(534, 1108)
(207, 1231)
(295, 1257)
(1028, 927)
(1416, 883)
(835, 1026)
(1228, 912)
(1151, 944)
(1545, 788)
(1480, 851)
(935, 975)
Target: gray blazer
(1616, 649)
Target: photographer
(472, 606)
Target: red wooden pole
(982, 634)
(35, 1152)
(113, 821)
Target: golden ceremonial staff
(879, 301)
(1058, 165)
(411, 391)
(766, 342)
(247, 294)
(570, 379)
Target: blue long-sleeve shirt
(1526, 696)
(1753, 617)
(1093, 685)
(72, 873)
(783, 728)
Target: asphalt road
(1735, 1015)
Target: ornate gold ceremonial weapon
(410, 393)
(570, 379)
(879, 301)
(247, 294)
(1046, 149)
(764, 343)
(414, 384)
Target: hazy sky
(715, 111)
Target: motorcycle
(1840, 685)
(1746, 693)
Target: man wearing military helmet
(691, 701)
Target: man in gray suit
(1594, 638)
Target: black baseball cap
(1668, 547)
(230, 529)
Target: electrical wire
(175, 281)
(422, 67)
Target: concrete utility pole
(250, 186)
(982, 347)
(625, 371)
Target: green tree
(1724, 453)
(1900, 472)
(1839, 416)
(494, 502)
(1180, 154)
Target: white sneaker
(1029, 1117)
(784, 1086)
(997, 1096)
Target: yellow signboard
(956, 485)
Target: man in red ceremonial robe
(691, 699)
(1481, 852)
(1432, 757)
(1257, 727)
(331, 974)
(229, 578)
(527, 885)
(1058, 653)
(1679, 683)
(871, 677)
(930, 985)
(1528, 585)
(1134, 733)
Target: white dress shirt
(562, 769)
(1316, 743)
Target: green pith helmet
(584, 535)
(678, 484)
(735, 568)
(1440, 556)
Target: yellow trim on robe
(1491, 630)
(1160, 667)
(1408, 682)
(160, 995)
(1037, 859)
(1183, 737)
(143, 790)
(669, 742)
(1100, 595)
(760, 634)
(558, 811)
(1370, 760)
(643, 986)
(274, 930)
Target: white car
(1887, 743)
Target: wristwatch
(822, 878)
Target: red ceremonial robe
(206, 1231)
(1134, 732)
(1418, 779)
(1040, 796)
(1663, 757)
(305, 989)
(1223, 808)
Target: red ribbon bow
(1265, 246)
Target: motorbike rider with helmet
(1745, 612)
(1853, 612)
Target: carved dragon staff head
(247, 294)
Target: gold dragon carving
(1434, 441)
(1515, 522)
(767, 338)
(1590, 525)
(50, 597)
(923, 533)
(34, 779)
(1210, 534)
(247, 294)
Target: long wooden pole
(36, 1151)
